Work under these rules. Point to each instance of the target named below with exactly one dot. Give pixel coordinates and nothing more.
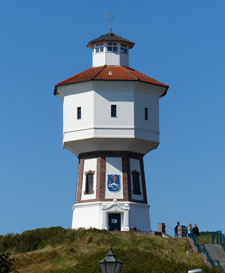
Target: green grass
(54, 250)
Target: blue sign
(113, 182)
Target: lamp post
(110, 264)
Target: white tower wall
(110, 121)
(129, 128)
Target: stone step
(216, 252)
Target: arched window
(89, 182)
(136, 182)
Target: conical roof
(110, 73)
(110, 37)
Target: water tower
(110, 121)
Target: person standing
(176, 229)
(195, 230)
(189, 230)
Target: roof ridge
(126, 69)
(98, 72)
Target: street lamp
(110, 264)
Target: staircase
(216, 252)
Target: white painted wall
(89, 165)
(113, 165)
(97, 130)
(139, 216)
(145, 99)
(119, 94)
(74, 96)
(135, 166)
(109, 58)
(88, 215)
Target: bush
(6, 264)
(32, 240)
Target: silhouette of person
(175, 229)
(195, 230)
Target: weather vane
(110, 18)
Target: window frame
(86, 182)
(146, 113)
(78, 112)
(112, 47)
(123, 49)
(136, 190)
(113, 110)
(99, 48)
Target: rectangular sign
(114, 221)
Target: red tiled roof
(110, 73)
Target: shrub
(6, 264)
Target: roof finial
(110, 18)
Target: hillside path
(216, 252)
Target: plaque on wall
(113, 182)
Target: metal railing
(170, 230)
(218, 235)
(202, 249)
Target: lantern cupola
(110, 49)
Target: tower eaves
(110, 37)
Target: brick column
(162, 227)
(179, 232)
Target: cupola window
(112, 47)
(123, 49)
(99, 48)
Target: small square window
(123, 49)
(99, 48)
(113, 111)
(78, 112)
(112, 47)
(146, 113)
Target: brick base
(100, 176)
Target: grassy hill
(59, 250)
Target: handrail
(209, 259)
(220, 239)
(202, 249)
(171, 231)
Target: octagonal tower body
(110, 121)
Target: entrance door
(114, 221)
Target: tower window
(136, 182)
(78, 112)
(123, 48)
(89, 182)
(112, 47)
(146, 113)
(99, 48)
(113, 111)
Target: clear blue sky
(180, 43)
